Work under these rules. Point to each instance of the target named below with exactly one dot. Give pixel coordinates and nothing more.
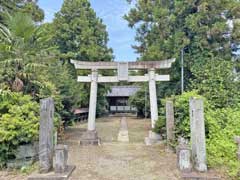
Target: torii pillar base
(90, 138)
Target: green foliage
(79, 34)
(140, 100)
(19, 122)
(221, 125)
(25, 56)
(216, 81)
(201, 29)
(181, 114)
(28, 7)
(163, 28)
(69, 91)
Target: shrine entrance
(118, 99)
(90, 137)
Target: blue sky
(121, 37)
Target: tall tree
(29, 7)
(81, 35)
(202, 28)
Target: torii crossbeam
(122, 75)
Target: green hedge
(221, 126)
(19, 122)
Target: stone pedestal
(198, 144)
(184, 158)
(90, 138)
(153, 138)
(61, 157)
(53, 176)
(62, 171)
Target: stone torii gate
(90, 137)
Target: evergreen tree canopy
(30, 7)
(165, 27)
(206, 30)
(80, 33)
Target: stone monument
(46, 135)
(198, 144)
(46, 148)
(170, 122)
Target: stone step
(196, 176)
(123, 132)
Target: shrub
(221, 125)
(181, 115)
(19, 122)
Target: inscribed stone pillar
(170, 121)
(93, 101)
(198, 143)
(153, 97)
(46, 135)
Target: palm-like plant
(24, 52)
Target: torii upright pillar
(153, 97)
(93, 101)
(90, 136)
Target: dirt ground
(120, 161)
(114, 160)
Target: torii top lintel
(164, 64)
